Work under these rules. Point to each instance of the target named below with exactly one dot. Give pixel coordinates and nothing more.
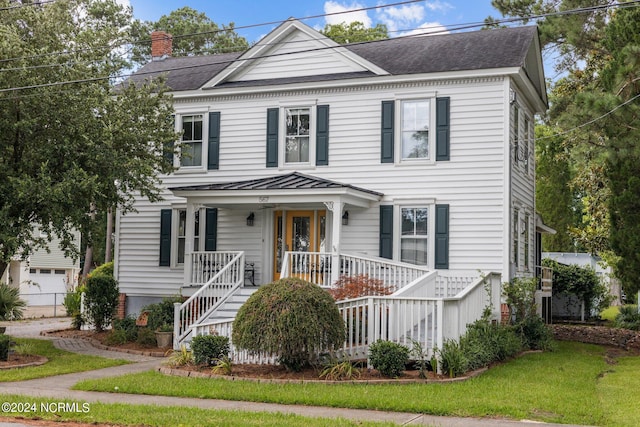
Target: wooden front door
(297, 231)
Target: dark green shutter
(386, 231)
(168, 148)
(386, 149)
(322, 135)
(165, 237)
(272, 138)
(442, 129)
(442, 237)
(211, 230)
(214, 141)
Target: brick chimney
(161, 45)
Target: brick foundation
(122, 306)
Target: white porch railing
(316, 267)
(224, 272)
(401, 319)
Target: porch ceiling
(294, 187)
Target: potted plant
(164, 335)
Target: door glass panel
(301, 233)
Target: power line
(633, 3)
(223, 30)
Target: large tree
(355, 32)
(193, 32)
(71, 140)
(596, 109)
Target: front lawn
(60, 362)
(571, 385)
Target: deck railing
(401, 319)
(317, 267)
(225, 273)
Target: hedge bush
(388, 357)
(292, 319)
(161, 313)
(5, 341)
(101, 300)
(209, 349)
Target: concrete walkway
(58, 387)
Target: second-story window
(191, 144)
(297, 141)
(415, 129)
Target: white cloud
(426, 29)
(335, 7)
(438, 6)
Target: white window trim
(398, 205)
(311, 104)
(399, 99)
(205, 142)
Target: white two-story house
(399, 159)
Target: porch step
(230, 308)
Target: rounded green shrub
(388, 357)
(161, 314)
(146, 337)
(101, 300)
(292, 319)
(209, 349)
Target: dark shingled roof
(474, 50)
(291, 181)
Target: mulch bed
(16, 360)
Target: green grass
(610, 313)
(565, 386)
(149, 415)
(618, 391)
(60, 362)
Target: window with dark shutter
(442, 129)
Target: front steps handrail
(208, 298)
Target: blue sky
(400, 20)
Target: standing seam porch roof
(291, 181)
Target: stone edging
(195, 374)
(97, 344)
(39, 362)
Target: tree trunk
(88, 261)
(109, 233)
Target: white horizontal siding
(55, 256)
(472, 182)
(298, 55)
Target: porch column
(336, 233)
(188, 242)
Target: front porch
(427, 306)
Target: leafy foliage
(224, 366)
(453, 359)
(105, 269)
(5, 341)
(161, 313)
(72, 303)
(520, 294)
(535, 334)
(209, 349)
(338, 370)
(355, 32)
(628, 318)
(101, 300)
(583, 282)
(388, 357)
(205, 37)
(347, 287)
(128, 327)
(484, 343)
(67, 150)
(182, 357)
(11, 305)
(146, 337)
(291, 318)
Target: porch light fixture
(250, 219)
(345, 218)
